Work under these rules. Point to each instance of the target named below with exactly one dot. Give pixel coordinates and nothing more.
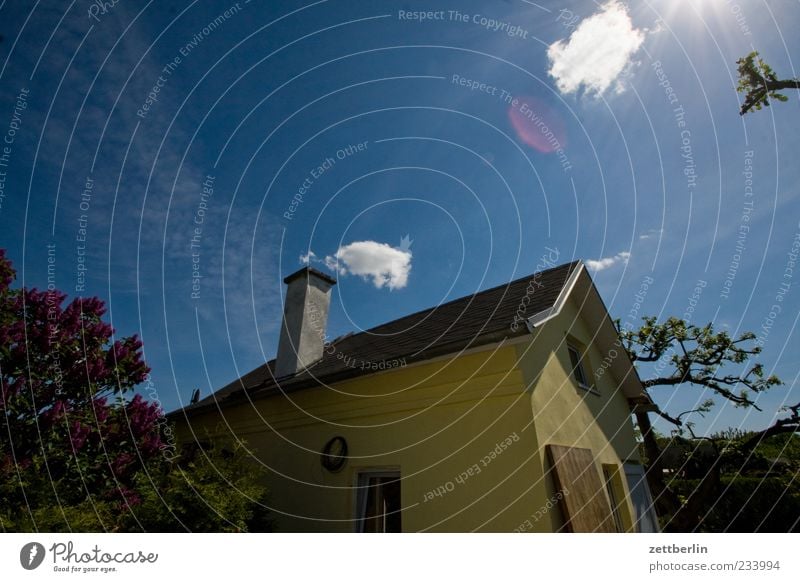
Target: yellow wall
(568, 415)
(434, 422)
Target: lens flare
(537, 124)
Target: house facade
(507, 410)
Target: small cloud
(385, 265)
(308, 258)
(652, 233)
(659, 27)
(607, 262)
(597, 53)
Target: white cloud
(607, 262)
(308, 258)
(651, 233)
(597, 52)
(387, 266)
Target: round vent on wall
(334, 454)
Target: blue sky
(258, 100)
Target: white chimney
(305, 317)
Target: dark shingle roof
(467, 322)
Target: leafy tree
(213, 489)
(697, 355)
(68, 432)
(700, 356)
(729, 484)
(77, 451)
(759, 83)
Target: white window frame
(608, 477)
(361, 492)
(573, 347)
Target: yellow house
(505, 411)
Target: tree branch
(781, 426)
(676, 421)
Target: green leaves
(689, 354)
(759, 83)
(216, 489)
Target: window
(578, 372)
(644, 517)
(609, 474)
(378, 502)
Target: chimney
(305, 317)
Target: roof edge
(538, 319)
